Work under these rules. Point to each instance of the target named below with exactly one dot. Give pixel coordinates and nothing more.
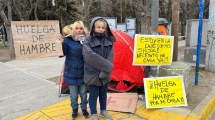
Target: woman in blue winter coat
(98, 56)
(74, 66)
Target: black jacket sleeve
(95, 60)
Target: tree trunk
(61, 22)
(183, 29)
(4, 37)
(175, 27)
(154, 16)
(145, 25)
(18, 11)
(183, 17)
(9, 31)
(9, 12)
(121, 11)
(142, 15)
(10, 40)
(35, 10)
(169, 14)
(86, 11)
(7, 24)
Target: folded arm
(95, 60)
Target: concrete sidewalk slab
(62, 111)
(16, 82)
(22, 92)
(34, 73)
(43, 67)
(30, 101)
(4, 67)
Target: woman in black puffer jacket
(98, 56)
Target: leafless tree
(142, 10)
(85, 6)
(24, 8)
(175, 27)
(189, 9)
(68, 11)
(7, 23)
(165, 9)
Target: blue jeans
(74, 91)
(95, 92)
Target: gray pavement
(212, 117)
(24, 87)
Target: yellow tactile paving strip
(62, 111)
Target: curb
(202, 111)
(62, 111)
(205, 108)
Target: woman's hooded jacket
(98, 56)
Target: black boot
(85, 113)
(74, 113)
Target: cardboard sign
(164, 92)
(34, 39)
(153, 50)
(122, 102)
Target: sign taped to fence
(153, 50)
(164, 92)
(33, 39)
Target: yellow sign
(153, 50)
(164, 92)
(33, 39)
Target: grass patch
(2, 39)
(201, 68)
(4, 47)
